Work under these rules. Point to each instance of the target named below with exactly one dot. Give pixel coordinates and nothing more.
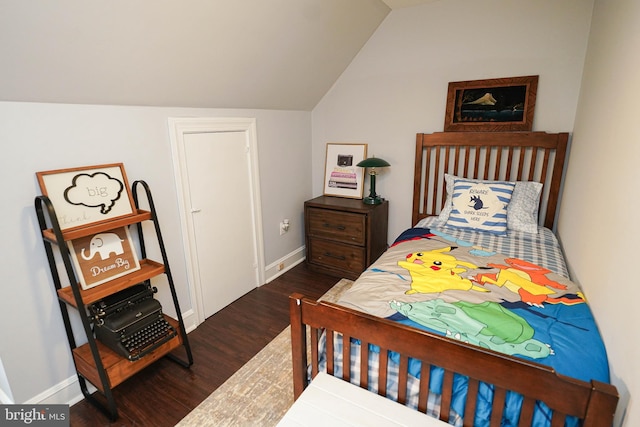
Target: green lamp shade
(372, 163)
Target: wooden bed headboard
(509, 156)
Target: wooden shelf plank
(148, 269)
(88, 230)
(117, 367)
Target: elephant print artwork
(102, 257)
(105, 244)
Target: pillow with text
(480, 206)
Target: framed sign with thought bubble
(87, 195)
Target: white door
(220, 209)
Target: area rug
(259, 393)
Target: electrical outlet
(284, 226)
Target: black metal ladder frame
(42, 204)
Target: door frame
(178, 128)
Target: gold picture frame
(504, 104)
(342, 178)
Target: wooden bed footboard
(594, 403)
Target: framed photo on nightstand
(342, 177)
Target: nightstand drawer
(338, 226)
(337, 255)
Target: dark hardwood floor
(162, 394)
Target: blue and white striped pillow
(522, 213)
(480, 205)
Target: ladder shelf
(95, 362)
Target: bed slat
(522, 164)
(364, 365)
(465, 170)
(382, 372)
(436, 167)
(526, 412)
(447, 390)
(329, 349)
(499, 398)
(558, 420)
(509, 162)
(456, 155)
(498, 160)
(532, 166)
(346, 355)
(314, 352)
(402, 379)
(425, 376)
(470, 404)
(545, 165)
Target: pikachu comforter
(433, 280)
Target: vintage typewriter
(130, 322)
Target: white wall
(397, 85)
(38, 137)
(598, 224)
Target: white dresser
(329, 401)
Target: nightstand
(344, 236)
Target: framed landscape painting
(505, 104)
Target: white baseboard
(5, 399)
(284, 264)
(65, 392)
(190, 321)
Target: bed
(469, 316)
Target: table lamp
(372, 163)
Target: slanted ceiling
(271, 54)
